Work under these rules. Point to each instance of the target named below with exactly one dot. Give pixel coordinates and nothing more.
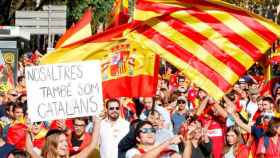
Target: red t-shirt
(216, 133)
(271, 151)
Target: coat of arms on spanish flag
(128, 68)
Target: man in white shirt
(112, 130)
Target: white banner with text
(60, 91)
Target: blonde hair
(50, 147)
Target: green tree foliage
(101, 11)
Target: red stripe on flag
(184, 55)
(239, 14)
(129, 87)
(205, 43)
(86, 19)
(108, 35)
(245, 18)
(156, 7)
(235, 38)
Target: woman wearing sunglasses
(146, 146)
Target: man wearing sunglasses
(112, 130)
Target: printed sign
(61, 91)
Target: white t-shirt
(251, 107)
(132, 152)
(110, 135)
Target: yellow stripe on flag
(270, 25)
(81, 34)
(195, 49)
(239, 28)
(70, 54)
(141, 15)
(215, 37)
(192, 73)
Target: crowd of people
(180, 121)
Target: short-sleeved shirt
(177, 120)
(271, 151)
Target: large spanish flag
(213, 43)
(128, 70)
(77, 32)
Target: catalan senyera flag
(77, 32)
(128, 70)
(212, 42)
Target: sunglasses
(114, 108)
(181, 102)
(147, 130)
(36, 123)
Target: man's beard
(114, 117)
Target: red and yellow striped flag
(77, 32)
(213, 43)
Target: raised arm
(202, 106)
(155, 152)
(231, 110)
(94, 140)
(29, 147)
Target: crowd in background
(181, 120)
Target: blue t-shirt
(177, 120)
(6, 149)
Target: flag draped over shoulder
(127, 69)
(77, 32)
(211, 42)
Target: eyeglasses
(77, 125)
(181, 102)
(114, 108)
(147, 130)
